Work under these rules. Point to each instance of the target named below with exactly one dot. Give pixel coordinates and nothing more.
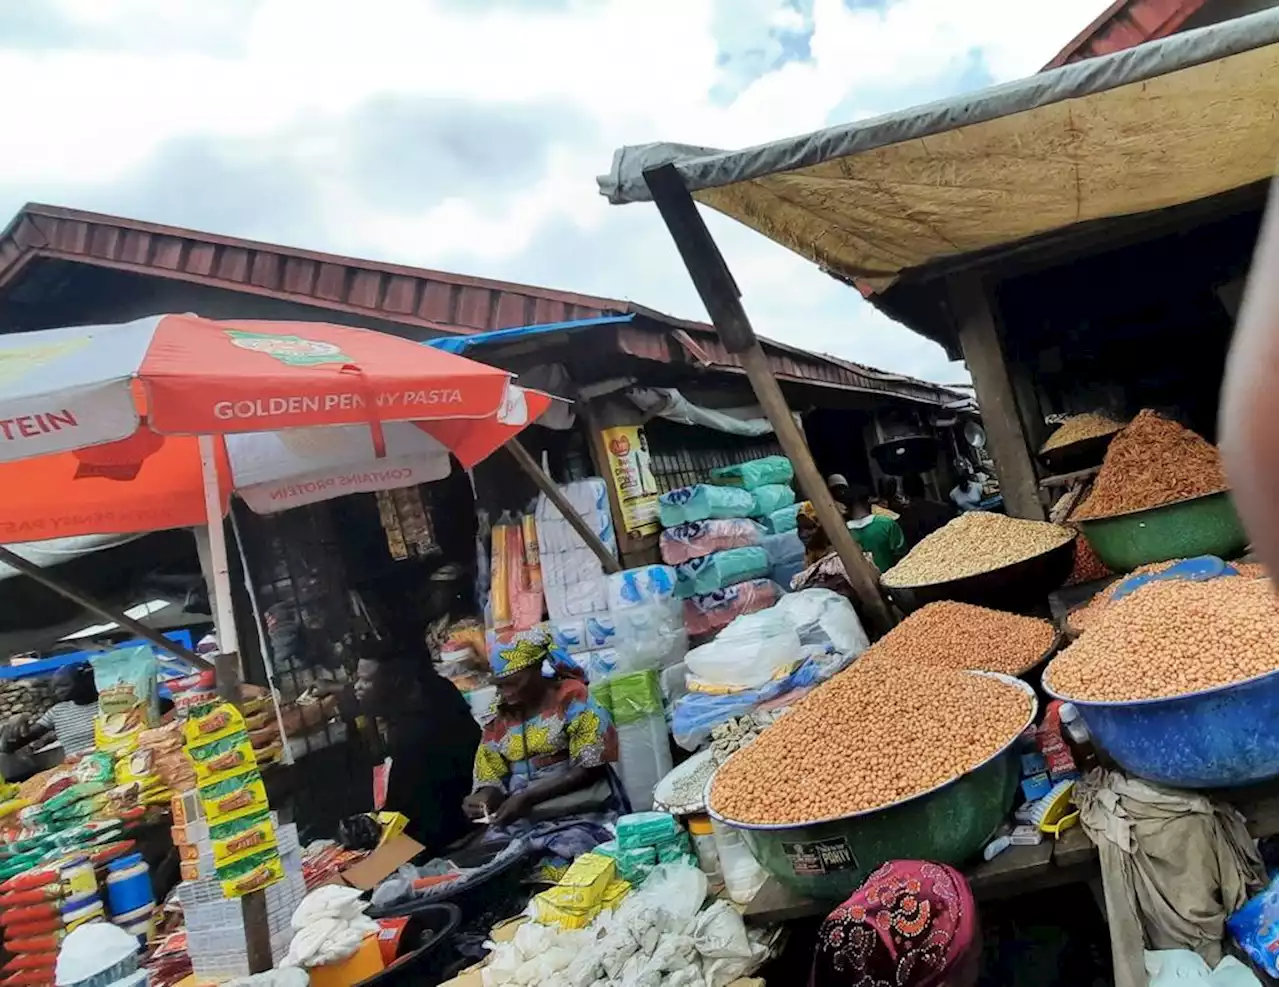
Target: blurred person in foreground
(70, 718)
(1247, 427)
(912, 924)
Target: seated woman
(542, 769)
(912, 924)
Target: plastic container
(89, 910)
(78, 877)
(129, 885)
(1215, 738)
(1184, 529)
(742, 874)
(703, 836)
(365, 962)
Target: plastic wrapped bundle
(784, 572)
(648, 624)
(752, 651)
(696, 539)
(772, 497)
(783, 547)
(721, 569)
(644, 754)
(755, 473)
(781, 520)
(704, 501)
(573, 580)
(712, 611)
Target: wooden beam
(720, 295)
(33, 571)
(554, 494)
(984, 355)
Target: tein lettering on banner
(300, 404)
(31, 426)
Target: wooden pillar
(984, 355)
(723, 300)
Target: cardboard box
(380, 864)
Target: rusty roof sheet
(1126, 24)
(410, 296)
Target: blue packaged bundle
(703, 501)
(1256, 927)
(781, 520)
(755, 473)
(720, 569)
(784, 572)
(783, 547)
(771, 498)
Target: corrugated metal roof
(411, 296)
(1127, 24)
(461, 344)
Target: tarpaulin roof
(1166, 123)
(461, 344)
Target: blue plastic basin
(1215, 738)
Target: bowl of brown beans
(882, 762)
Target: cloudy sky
(465, 134)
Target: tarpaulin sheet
(1165, 123)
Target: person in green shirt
(877, 535)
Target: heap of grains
(1086, 567)
(1077, 428)
(1154, 461)
(872, 735)
(960, 635)
(973, 543)
(1171, 638)
(1081, 618)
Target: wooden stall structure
(1079, 237)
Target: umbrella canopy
(97, 423)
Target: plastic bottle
(1077, 737)
(704, 845)
(743, 876)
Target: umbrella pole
(554, 494)
(253, 906)
(33, 571)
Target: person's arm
(577, 777)
(897, 540)
(488, 777)
(21, 730)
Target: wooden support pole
(723, 300)
(984, 356)
(33, 571)
(554, 494)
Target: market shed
(1078, 237)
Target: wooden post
(984, 356)
(723, 301)
(33, 571)
(554, 494)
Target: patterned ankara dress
(570, 730)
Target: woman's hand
(512, 808)
(481, 803)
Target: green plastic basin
(828, 859)
(1184, 529)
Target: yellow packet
(256, 835)
(614, 893)
(219, 758)
(549, 912)
(234, 795)
(584, 883)
(221, 721)
(392, 823)
(13, 805)
(250, 873)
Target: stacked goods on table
(24, 697)
(214, 923)
(715, 536)
(974, 543)
(233, 801)
(962, 636)
(647, 839)
(874, 735)
(169, 962)
(1152, 462)
(1169, 638)
(1081, 428)
(589, 886)
(767, 658)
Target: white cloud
(109, 88)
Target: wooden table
(1021, 869)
